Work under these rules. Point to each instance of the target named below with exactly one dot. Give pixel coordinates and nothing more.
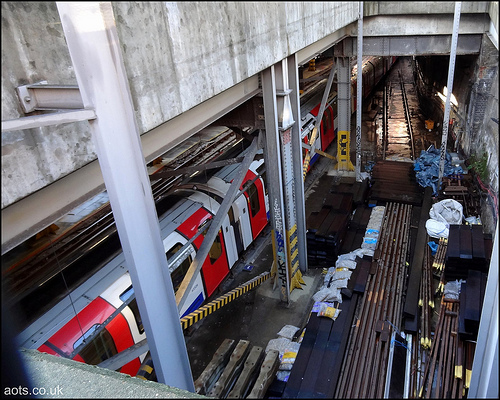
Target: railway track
(404, 134)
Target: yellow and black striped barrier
(146, 371)
(209, 308)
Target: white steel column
(447, 105)
(359, 95)
(96, 54)
(275, 182)
(300, 208)
(344, 114)
(279, 119)
(484, 376)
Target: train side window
(135, 310)
(216, 249)
(99, 349)
(262, 172)
(327, 120)
(177, 275)
(133, 307)
(253, 195)
(334, 108)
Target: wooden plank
(267, 373)
(232, 370)
(453, 247)
(214, 369)
(335, 349)
(472, 303)
(465, 242)
(412, 293)
(302, 359)
(248, 375)
(313, 368)
(364, 267)
(478, 250)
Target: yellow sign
(343, 151)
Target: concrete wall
(177, 55)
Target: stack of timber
(238, 371)
(317, 366)
(329, 211)
(394, 181)
(466, 250)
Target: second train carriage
(184, 214)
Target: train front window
(99, 349)
(177, 275)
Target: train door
(241, 217)
(256, 203)
(235, 224)
(327, 128)
(215, 267)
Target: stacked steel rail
(443, 376)
(365, 362)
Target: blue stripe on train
(195, 305)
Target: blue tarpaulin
(427, 168)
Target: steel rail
(407, 115)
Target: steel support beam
(280, 119)
(42, 96)
(37, 121)
(298, 182)
(409, 45)
(344, 114)
(359, 94)
(447, 105)
(202, 253)
(272, 159)
(484, 376)
(94, 48)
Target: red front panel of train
(215, 267)
(114, 338)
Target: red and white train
(61, 333)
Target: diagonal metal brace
(196, 264)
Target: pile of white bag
(442, 215)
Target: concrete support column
(96, 54)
